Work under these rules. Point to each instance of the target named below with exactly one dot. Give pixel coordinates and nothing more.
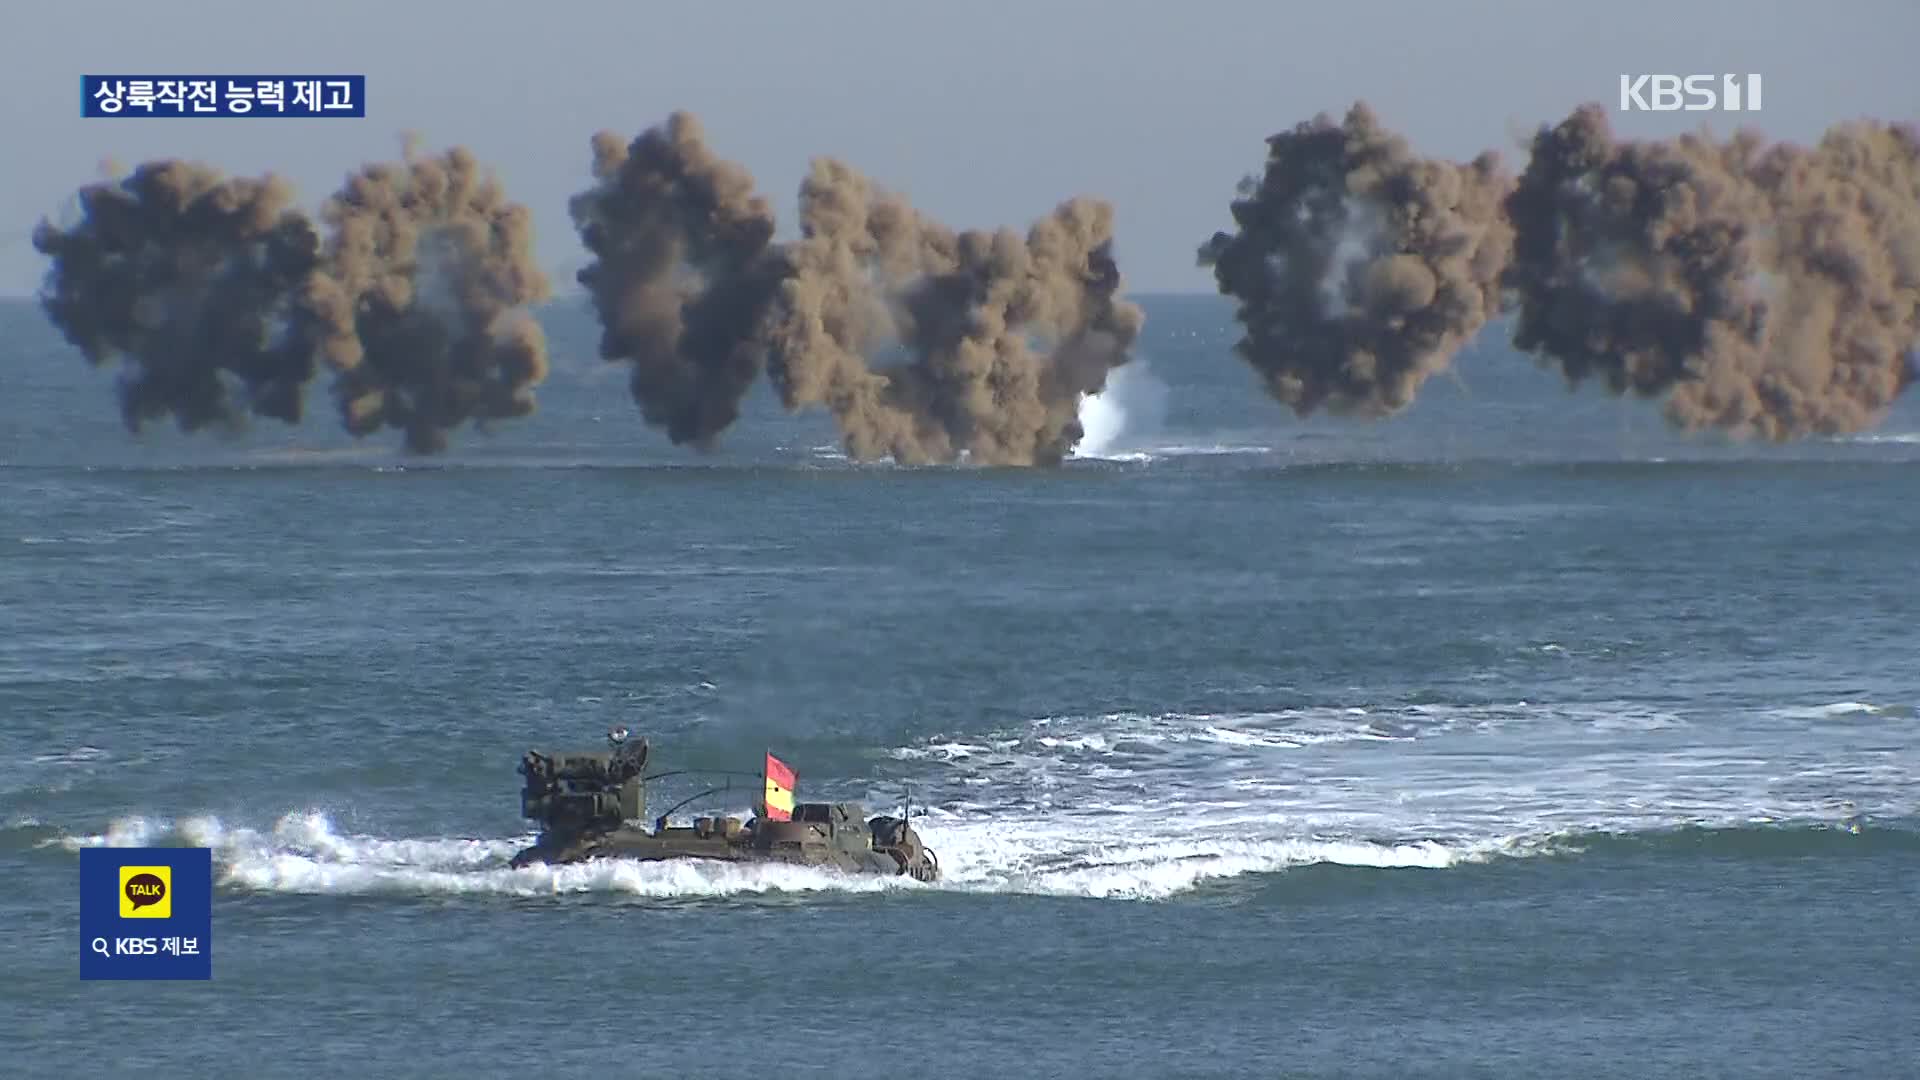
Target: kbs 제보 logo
(146, 913)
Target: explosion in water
(681, 275)
(419, 303)
(693, 292)
(1358, 266)
(1003, 336)
(1768, 291)
(187, 276)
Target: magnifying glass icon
(100, 946)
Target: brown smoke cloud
(997, 336)
(834, 314)
(1769, 291)
(1358, 266)
(682, 274)
(187, 276)
(1002, 334)
(419, 303)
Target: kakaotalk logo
(1692, 93)
(146, 892)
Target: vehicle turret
(580, 792)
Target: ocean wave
(1842, 710)
(1165, 869)
(1142, 454)
(1210, 449)
(1760, 840)
(1898, 437)
(1062, 739)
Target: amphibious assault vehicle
(593, 806)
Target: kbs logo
(146, 892)
(1693, 93)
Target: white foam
(1146, 806)
(1831, 710)
(992, 854)
(1269, 790)
(304, 853)
(1842, 708)
(946, 750)
(1209, 449)
(980, 851)
(1902, 437)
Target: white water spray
(1122, 417)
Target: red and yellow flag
(780, 784)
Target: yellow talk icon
(146, 892)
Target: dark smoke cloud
(682, 274)
(221, 298)
(187, 276)
(1002, 335)
(1770, 291)
(998, 336)
(1358, 266)
(419, 304)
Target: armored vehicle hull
(591, 805)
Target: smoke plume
(419, 302)
(682, 274)
(998, 336)
(1770, 291)
(1358, 266)
(187, 276)
(990, 339)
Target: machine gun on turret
(571, 793)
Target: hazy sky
(984, 113)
